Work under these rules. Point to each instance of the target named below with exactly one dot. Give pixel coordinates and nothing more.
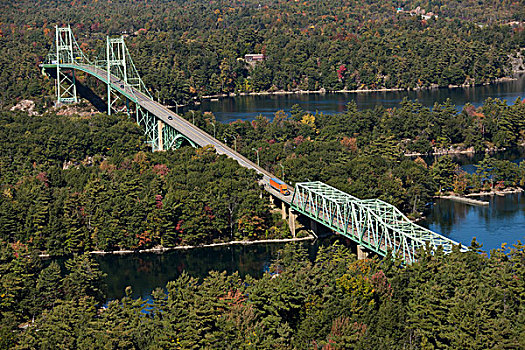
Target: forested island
(72, 184)
(188, 49)
(74, 180)
(457, 301)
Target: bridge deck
(191, 131)
(375, 224)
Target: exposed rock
(517, 61)
(76, 109)
(26, 106)
(87, 162)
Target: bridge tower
(115, 61)
(118, 63)
(125, 87)
(63, 56)
(65, 88)
(122, 74)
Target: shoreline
(443, 153)
(512, 190)
(469, 150)
(160, 250)
(345, 91)
(467, 198)
(296, 92)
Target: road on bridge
(183, 126)
(373, 223)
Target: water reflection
(145, 272)
(248, 107)
(503, 221)
(468, 161)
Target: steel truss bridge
(372, 223)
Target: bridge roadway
(373, 224)
(377, 225)
(183, 126)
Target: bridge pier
(160, 126)
(361, 252)
(283, 211)
(291, 222)
(272, 201)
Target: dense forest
(71, 184)
(363, 152)
(188, 49)
(455, 301)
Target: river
(502, 221)
(248, 107)
(146, 271)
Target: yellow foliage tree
(309, 119)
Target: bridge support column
(160, 126)
(272, 201)
(291, 222)
(283, 211)
(361, 252)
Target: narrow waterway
(248, 107)
(146, 271)
(502, 221)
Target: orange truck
(279, 186)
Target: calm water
(503, 221)
(146, 271)
(468, 161)
(248, 107)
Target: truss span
(373, 223)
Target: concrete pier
(466, 200)
(291, 222)
(160, 126)
(283, 211)
(361, 252)
(272, 201)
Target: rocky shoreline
(345, 91)
(462, 199)
(161, 249)
(296, 92)
(510, 190)
(443, 152)
(467, 198)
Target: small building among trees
(254, 58)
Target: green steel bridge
(372, 223)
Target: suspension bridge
(374, 224)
